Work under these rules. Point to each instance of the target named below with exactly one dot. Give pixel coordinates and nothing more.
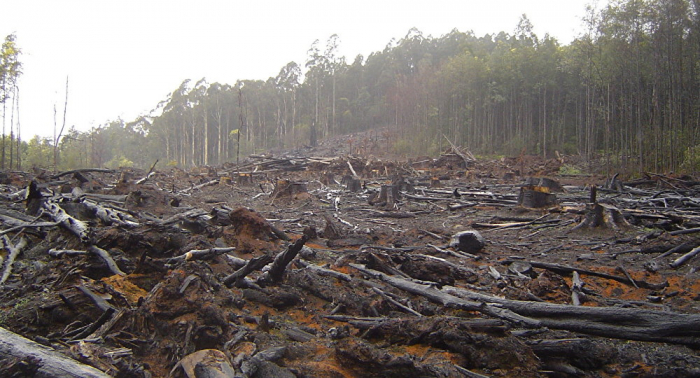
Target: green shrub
(691, 159)
(119, 162)
(569, 170)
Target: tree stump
(244, 179)
(289, 190)
(387, 196)
(536, 197)
(403, 185)
(327, 178)
(600, 215)
(544, 182)
(353, 185)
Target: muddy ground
(375, 291)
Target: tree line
(625, 93)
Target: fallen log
(448, 300)
(613, 322)
(683, 259)
(564, 269)
(324, 271)
(283, 259)
(13, 252)
(199, 254)
(50, 363)
(686, 231)
(96, 325)
(197, 187)
(396, 303)
(104, 255)
(99, 301)
(82, 170)
(210, 363)
(109, 216)
(681, 248)
(21, 226)
(76, 226)
(576, 289)
(253, 264)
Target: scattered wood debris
(187, 274)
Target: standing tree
(314, 63)
(56, 136)
(10, 70)
(334, 62)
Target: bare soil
(341, 319)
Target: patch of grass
(19, 305)
(569, 170)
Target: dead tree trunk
(48, 362)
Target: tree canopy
(626, 92)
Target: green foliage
(569, 170)
(38, 153)
(18, 307)
(627, 86)
(691, 159)
(119, 162)
(403, 147)
(10, 66)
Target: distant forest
(625, 93)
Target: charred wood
(253, 264)
(104, 255)
(283, 259)
(564, 269)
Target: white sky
(123, 57)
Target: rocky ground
(340, 261)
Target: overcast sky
(123, 57)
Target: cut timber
(199, 254)
(50, 363)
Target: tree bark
(50, 363)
